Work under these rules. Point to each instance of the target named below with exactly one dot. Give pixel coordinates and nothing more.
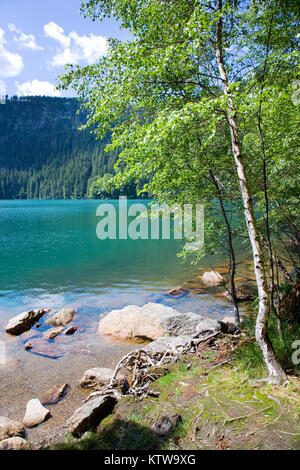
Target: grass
(220, 408)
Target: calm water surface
(50, 256)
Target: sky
(38, 37)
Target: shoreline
(28, 375)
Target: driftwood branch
(140, 361)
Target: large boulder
(89, 415)
(99, 377)
(14, 443)
(10, 428)
(213, 279)
(151, 322)
(23, 322)
(62, 318)
(35, 413)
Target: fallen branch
(217, 365)
(230, 420)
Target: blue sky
(37, 37)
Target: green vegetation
(44, 154)
(204, 107)
(225, 407)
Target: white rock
(35, 413)
(213, 279)
(150, 322)
(14, 443)
(10, 428)
(62, 318)
(228, 319)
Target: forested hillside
(43, 154)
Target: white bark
(276, 373)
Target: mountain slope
(43, 154)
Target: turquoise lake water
(50, 257)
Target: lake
(50, 257)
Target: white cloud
(57, 32)
(2, 88)
(75, 48)
(2, 40)
(24, 40)
(90, 47)
(65, 57)
(36, 88)
(10, 64)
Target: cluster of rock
(163, 326)
(212, 279)
(12, 434)
(26, 320)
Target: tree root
(140, 361)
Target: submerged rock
(28, 346)
(89, 415)
(213, 279)
(177, 291)
(54, 395)
(151, 322)
(10, 428)
(14, 443)
(62, 318)
(23, 322)
(243, 293)
(71, 330)
(99, 377)
(35, 413)
(53, 332)
(42, 347)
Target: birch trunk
(276, 373)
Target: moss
(219, 408)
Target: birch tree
(189, 62)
